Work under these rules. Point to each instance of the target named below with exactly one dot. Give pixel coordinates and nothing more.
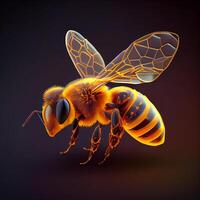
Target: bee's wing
(144, 60)
(85, 57)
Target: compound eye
(62, 110)
(48, 113)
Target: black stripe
(152, 131)
(158, 139)
(133, 113)
(124, 106)
(149, 118)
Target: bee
(88, 101)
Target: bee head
(57, 111)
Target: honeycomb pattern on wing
(144, 60)
(85, 57)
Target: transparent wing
(85, 57)
(144, 60)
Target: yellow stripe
(147, 142)
(142, 141)
(159, 142)
(132, 101)
(153, 136)
(141, 117)
(147, 128)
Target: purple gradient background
(33, 58)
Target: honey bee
(88, 101)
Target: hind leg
(116, 133)
(94, 143)
(73, 138)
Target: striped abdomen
(140, 118)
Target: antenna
(38, 112)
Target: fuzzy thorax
(87, 103)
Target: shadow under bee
(117, 162)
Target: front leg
(116, 133)
(94, 143)
(74, 136)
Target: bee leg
(116, 133)
(73, 138)
(94, 143)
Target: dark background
(33, 58)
